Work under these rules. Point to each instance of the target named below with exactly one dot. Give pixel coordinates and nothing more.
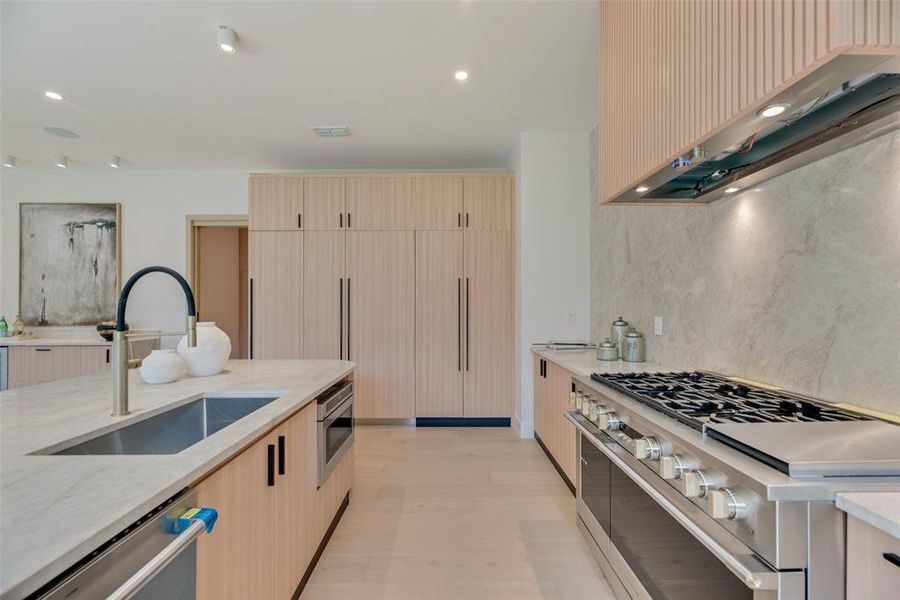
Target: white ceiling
(145, 80)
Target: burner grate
(697, 398)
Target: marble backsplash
(795, 283)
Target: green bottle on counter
(4, 328)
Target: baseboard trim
(368, 421)
(321, 548)
(463, 422)
(555, 464)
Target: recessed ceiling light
(9, 161)
(53, 95)
(227, 39)
(773, 110)
(732, 189)
(61, 161)
(113, 162)
(641, 189)
(461, 75)
(63, 133)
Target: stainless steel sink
(172, 431)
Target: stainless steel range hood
(851, 99)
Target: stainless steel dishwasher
(154, 559)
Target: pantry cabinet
(675, 72)
(408, 276)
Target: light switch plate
(657, 325)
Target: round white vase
(211, 353)
(162, 366)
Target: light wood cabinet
(276, 203)
(381, 203)
(439, 202)
(674, 72)
(324, 284)
(381, 321)
(552, 384)
(489, 333)
(488, 203)
(871, 576)
(31, 365)
(276, 294)
(324, 203)
(268, 530)
(439, 324)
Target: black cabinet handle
(270, 465)
(348, 306)
(299, 221)
(467, 220)
(341, 315)
(43, 349)
(459, 220)
(107, 356)
(348, 220)
(252, 333)
(459, 324)
(341, 220)
(281, 463)
(892, 558)
(467, 324)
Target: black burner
(697, 398)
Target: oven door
(335, 435)
(653, 542)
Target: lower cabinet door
(238, 560)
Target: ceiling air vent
(332, 132)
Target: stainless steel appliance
(335, 427)
(154, 559)
(696, 485)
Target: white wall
(553, 249)
(154, 206)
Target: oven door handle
(753, 578)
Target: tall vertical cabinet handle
(341, 220)
(252, 333)
(459, 324)
(341, 315)
(349, 306)
(299, 221)
(270, 465)
(281, 459)
(467, 323)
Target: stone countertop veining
(54, 510)
(878, 509)
(584, 362)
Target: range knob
(608, 421)
(572, 396)
(724, 503)
(647, 448)
(586, 406)
(671, 467)
(694, 483)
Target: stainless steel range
(695, 485)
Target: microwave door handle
(751, 577)
(333, 415)
(159, 562)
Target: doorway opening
(217, 271)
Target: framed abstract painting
(69, 263)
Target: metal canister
(607, 350)
(635, 348)
(617, 335)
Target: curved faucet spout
(126, 290)
(120, 346)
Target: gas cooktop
(700, 398)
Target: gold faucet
(120, 359)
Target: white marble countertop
(878, 509)
(584, 362)
(54, 510)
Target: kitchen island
(56, 509)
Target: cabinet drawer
(39, 364)
(869, 574)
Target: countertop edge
(31, 582)
(854, 505)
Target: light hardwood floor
(446, 513)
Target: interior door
(488, 303)
(324, 275)
(439, 330)
(276, 294)
(276, 203)
(381, 321)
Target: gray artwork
(68, 263)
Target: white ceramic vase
(211, 353)
(162, 366)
